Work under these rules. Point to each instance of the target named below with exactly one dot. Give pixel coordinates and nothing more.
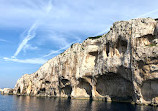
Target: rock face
(6, 91)
(122, 65)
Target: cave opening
(114, 85)
(47, 82)
(121, 46)
(141, 64)
(146, 40)
(83, 84)
(65, 87)
(107, 49)
(42, 90)
(95, 55)
(18, 91)
(149, 89)
(65, 81)
(67, 90)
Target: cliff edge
(121, 65)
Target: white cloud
(30, 61)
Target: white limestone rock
(6, 91)
(119, 66)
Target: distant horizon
(33, 32)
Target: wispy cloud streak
(30, 61)
(31, 32)
(61, 49)
(2, 40)
(148, 13)
(30, 35)
(103, 32)
(65, 16)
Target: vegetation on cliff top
(95, 37)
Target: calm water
(26, 103)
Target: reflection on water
(26, 103)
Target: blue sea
(26, 103)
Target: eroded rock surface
(122, 65)
(6, 91)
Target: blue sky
(33, 31)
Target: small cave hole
(121, 46)
(141, 64)
(93, 56)
(146, 40)
(42, 90)
(18, 91)
(36, 75)
(107, 48)
(47, 82)
(94, 53)
(65, 81)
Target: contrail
(49, 7)
(30, 61)
(32, 31)
(150, 12)
(63, 48)
(2, 40)
(103, 32)
(30, 35)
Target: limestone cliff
(122, 65)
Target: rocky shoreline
(121, 65)
(7, 91)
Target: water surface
(26, 103)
